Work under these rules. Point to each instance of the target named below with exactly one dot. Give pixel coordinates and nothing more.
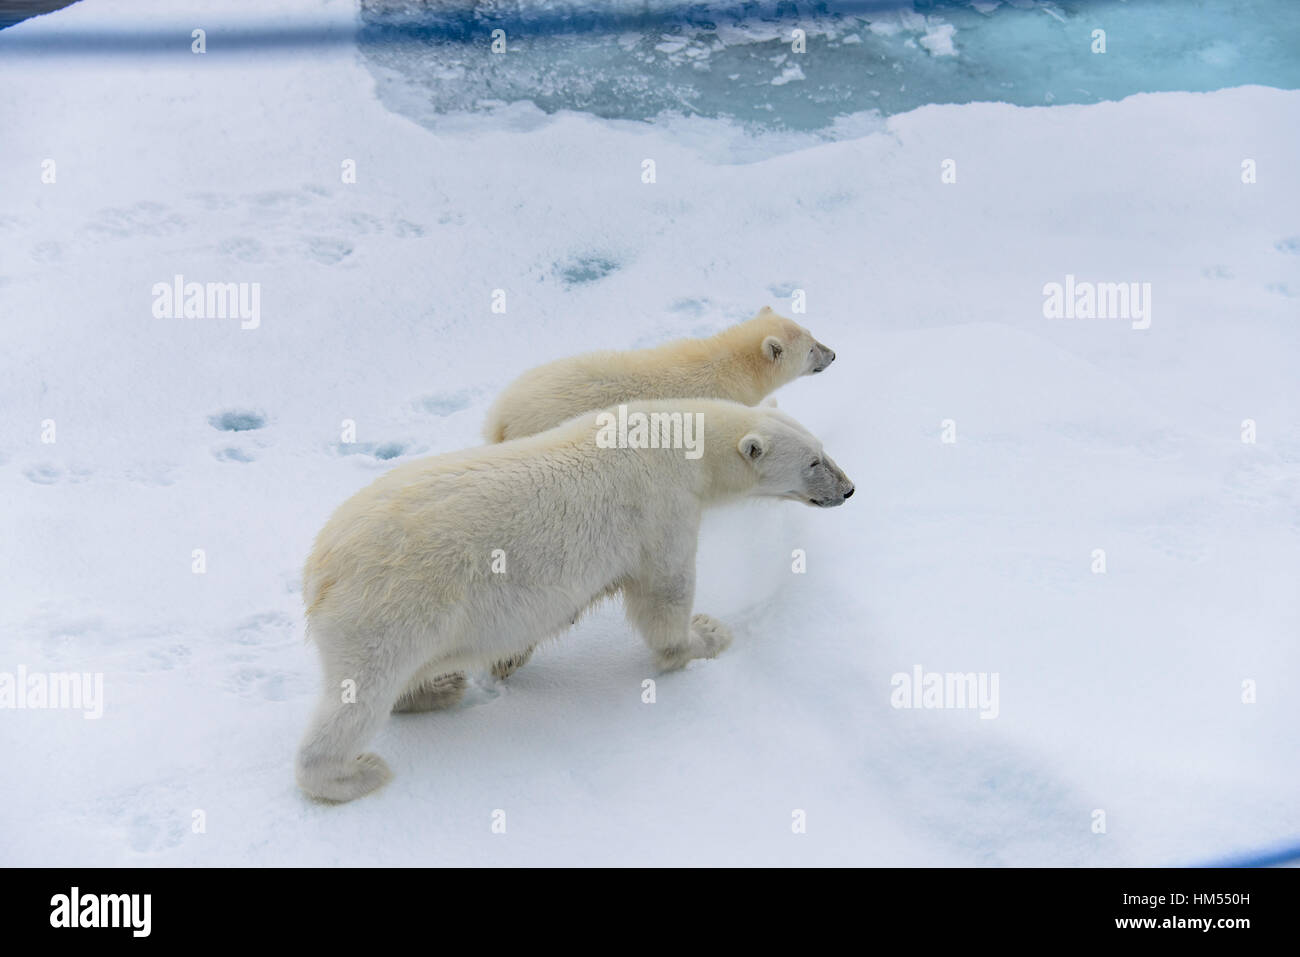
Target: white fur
(743, 363)
(400, 589)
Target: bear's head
(787, 348)
(788, 462)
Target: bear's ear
(753, 446)
(765, 311)
(772, 348)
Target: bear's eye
(815, 463)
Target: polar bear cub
(743, 363)
(456, 561)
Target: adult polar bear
(460, 560)
(743, 363)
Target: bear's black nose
(849, 493)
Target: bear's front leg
(712, 636)
(659, 606)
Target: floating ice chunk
(788, 75)
(938, 40)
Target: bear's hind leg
(507, 666)
(330, 765)
(431, 690)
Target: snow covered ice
(995, 451)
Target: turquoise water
(643, 60)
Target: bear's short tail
(314, 589)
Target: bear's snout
(823, 357)
(840, 485)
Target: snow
(1119, 692)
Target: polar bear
(743, 363)
(456, 561)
